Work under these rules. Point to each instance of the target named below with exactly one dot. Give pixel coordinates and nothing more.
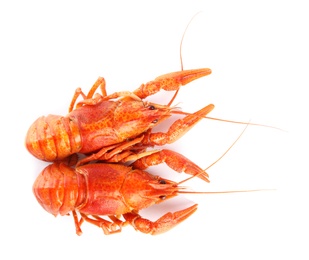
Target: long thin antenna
(228, 121)
(181, 61)
(183, 35)
(193, 176)
(219, 192)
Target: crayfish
(101, 124)
(112, 190)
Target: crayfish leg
(123, 94)
(78, 223)
(163, 224)
(100, 82)
(109, 153)
(107, 226)
(174, 160)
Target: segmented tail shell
(53, 138)
(57, 189)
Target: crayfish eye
(162, 182)
(162, 197)
(152, 107)
(155, 121)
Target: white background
(258, 51)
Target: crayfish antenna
(193, 176)
(222, 192)
(243, 123)
(225, 120)
(180, 55)
(182, 191)
(183, 36)
(176, 92)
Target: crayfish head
(141, 189)
(135, 117)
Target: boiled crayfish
(106, 125)
(112, 190)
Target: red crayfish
(106, 123)
(112, 190)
